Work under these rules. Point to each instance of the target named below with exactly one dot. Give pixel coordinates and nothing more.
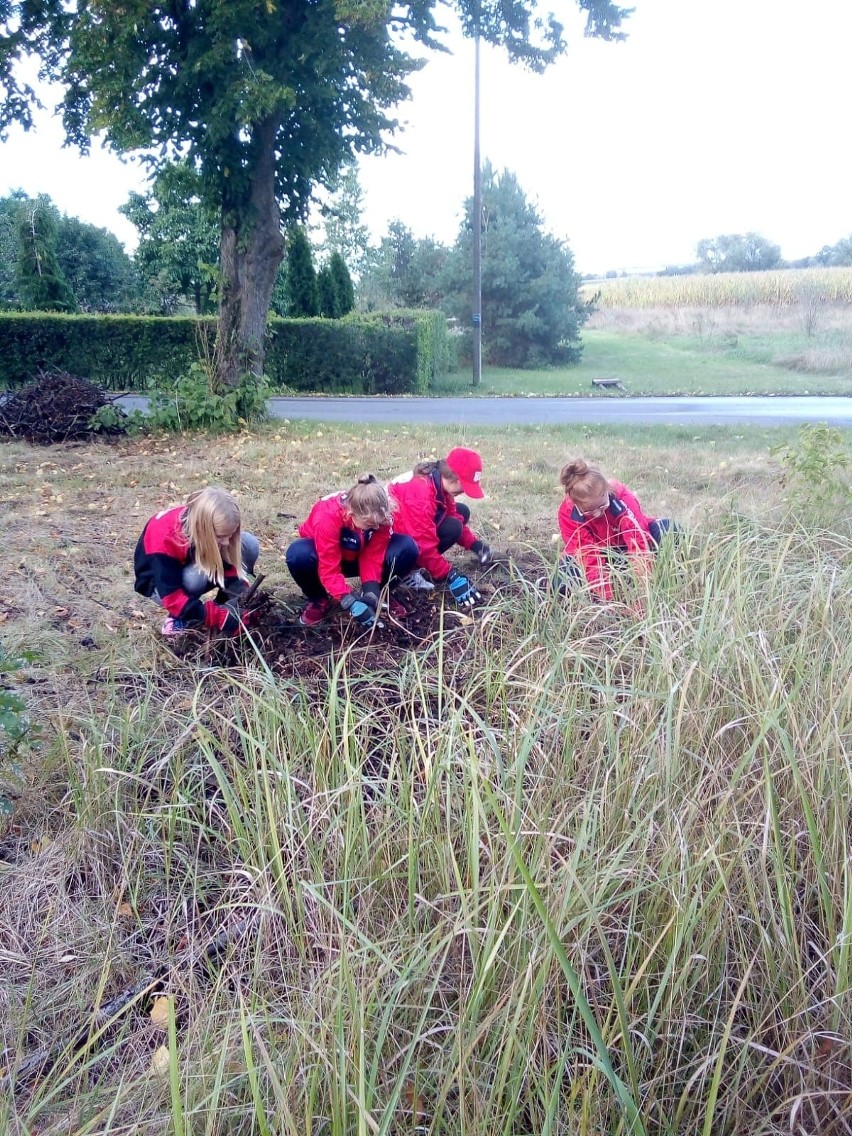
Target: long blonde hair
(582, 481)
(205, 509)
(369, 501)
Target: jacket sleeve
(468, 537)
(585, 550)
(327, 541)
(628, 524)
(421, 518)
(371, 562)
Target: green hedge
(381, 353)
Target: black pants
(303, 562)
(450, 529)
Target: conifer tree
(302, 289)
(327, 289)
(531, 309)
(343, 286)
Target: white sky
(715, 116)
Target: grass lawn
(556, 869)
(675, 365)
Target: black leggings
(450, 529)
(303, 562)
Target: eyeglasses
(596, 511)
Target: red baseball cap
(467, 466)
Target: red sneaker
(396, 609)
(315, 612)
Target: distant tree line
(751, 252)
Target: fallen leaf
(160, 1012)
(161, 1061)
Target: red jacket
(162, 552)
(587, 539)
(423, 505)
(329, 525)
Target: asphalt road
(782, 410)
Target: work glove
(223, 617)
(371, 594)
(482, 552)
(359, 610)
(568, 577)
(462, 590)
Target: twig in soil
(245, 599)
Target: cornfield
(783, 288)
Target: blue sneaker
(173, 626)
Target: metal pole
(477, 225)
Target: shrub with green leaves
(818, 464)
(197, 401)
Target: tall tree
(738, 252)
(303, 298)
(267, 100)
(9, 209)
(343, 228)
(92, 261)
(531, 309)
(178, 252)
(343, 285)
(98, 270)
(41, 283)
(329, 305)
(404, 271)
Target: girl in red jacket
(427, 510)
(345, 535)
(192, 549)
(603, 526)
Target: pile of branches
(59, 407)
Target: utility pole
(477, 224)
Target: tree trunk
(252, 248)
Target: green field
(699, 353)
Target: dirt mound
(58, 407)
(297, 652)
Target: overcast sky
(715, 116)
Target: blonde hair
(582, 481)
(368, 500)
(204, 510)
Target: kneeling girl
(603, 526)
(188, 551)
(345, 535)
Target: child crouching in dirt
(345, 535)
(604, 528)
(428, 512)
(190, 550)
